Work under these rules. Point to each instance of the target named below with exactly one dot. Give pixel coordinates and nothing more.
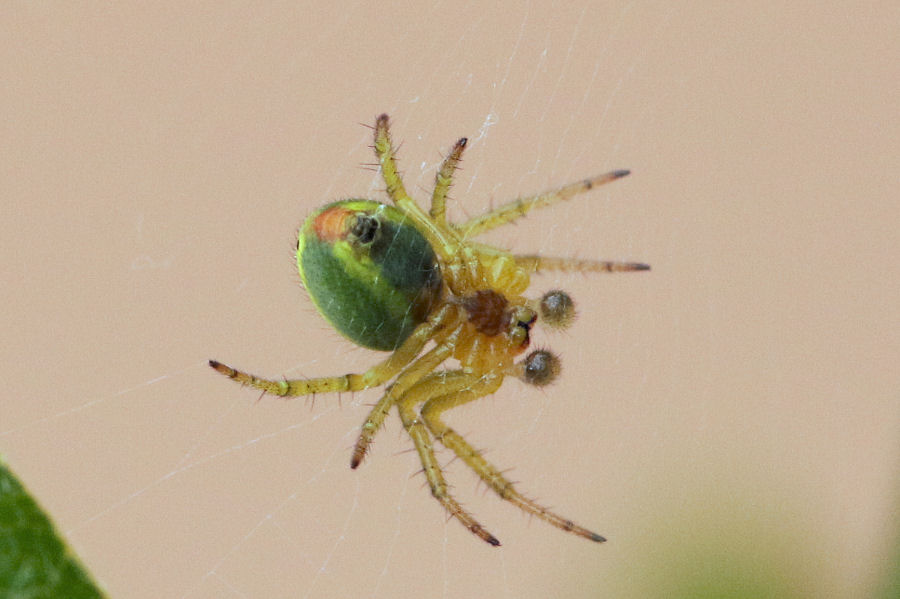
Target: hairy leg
(439, 236)
(412, 375)
(535, 263)
(441, 382)
(469, 388)
(520, 207)
(377, 375)
(443, 180)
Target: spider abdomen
(369, 271)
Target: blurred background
(729, 420)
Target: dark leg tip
(621, 173)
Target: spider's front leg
(410, 377)
(413, 374)
(456, 383)
(464, 388)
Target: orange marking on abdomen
(331, 224)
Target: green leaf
(34, 560)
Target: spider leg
(465, 388)
(443, 179)
(384, 150)
(437, 233)
(413, 374)
(520, 207)
(424, 391)
(377, 375)
(535, 263)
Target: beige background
(739, 404)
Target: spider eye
(557, 309)
(541, 368)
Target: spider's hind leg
(384, 150)
(434, 230)
(294, 387)
(442, 181)
(373, 377)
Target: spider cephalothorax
(395, 278)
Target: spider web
(192, 146)
(218, 495)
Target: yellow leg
(443, 180)
(522, 206)
(465, 388)
(413, 374)
(384, 150)
(538, 263)
(422, 440)
(377, 375)
(439, 236)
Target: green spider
(394, 278)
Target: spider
(395, 278)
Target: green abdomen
(370, 273)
